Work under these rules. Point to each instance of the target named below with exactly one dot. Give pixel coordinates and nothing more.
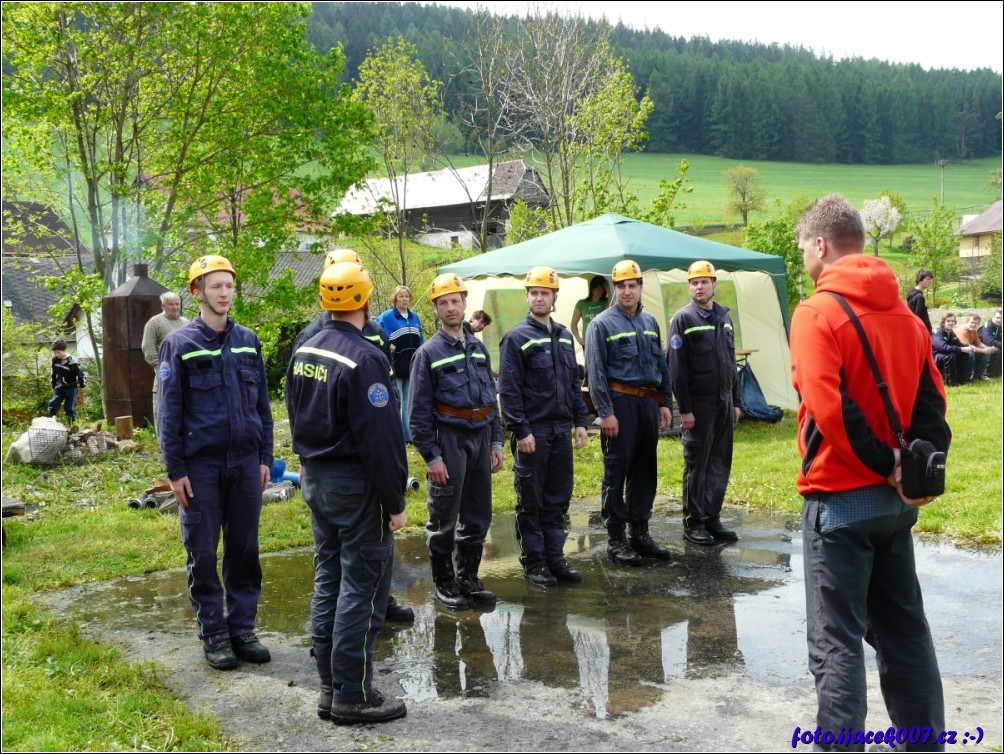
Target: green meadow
(966, 183)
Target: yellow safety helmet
(209, 263)
(541, 277)
(341, 255)
(446, 283)
(345, 287)
(701, 269)
(626, 269)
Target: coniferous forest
(733, 99)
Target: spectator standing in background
(915, 298)
(404, 332)
(587, 308)
(157, 328)
(479, 321)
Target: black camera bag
(921, 463)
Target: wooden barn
(444, 207)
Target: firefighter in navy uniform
(375, 334)
(455, 425)
(629, 385)
(541, 398)
(347, 432)
(215, 430)
(702, 365)
(372, 330)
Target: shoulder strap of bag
(883, 387)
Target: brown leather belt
(471, 414)
(640, 392)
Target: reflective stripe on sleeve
(328, 355)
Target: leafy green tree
(174, 129)
(526, 222)
(935, 245)
(608, 122)
(25, 364)
(405, 102)
(581, 113)
(746, 194)
(661, 211)
(776, 236)
(897, 201)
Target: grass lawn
(61, 691)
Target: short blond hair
(397, 292)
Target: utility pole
(941, 164)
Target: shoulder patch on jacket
(164, 370)
(378, 394)
(676, 342)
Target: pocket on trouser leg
(440, 500)
(372, 564)
(190, 521)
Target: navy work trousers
(629, 462)
(460, 511)
(226, 498)
(353, 557)
(543, 481)
(707, 462)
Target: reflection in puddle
(613, 641)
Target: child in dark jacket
(66, 379)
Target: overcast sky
(965, 35)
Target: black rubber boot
(398, 613)
(619, 550)
(468, 564)
(540, 576)
(324, 700)
(719, 532)
(562, 571)
(447, 591)
(327, 695)
(249, 649)
(644, 545)
(220, 654)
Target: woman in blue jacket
(404, 331)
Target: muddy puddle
(612, 642)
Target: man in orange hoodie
(860, 575)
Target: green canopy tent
(751, 284)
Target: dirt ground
(272, 708)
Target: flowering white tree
(881, 219)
